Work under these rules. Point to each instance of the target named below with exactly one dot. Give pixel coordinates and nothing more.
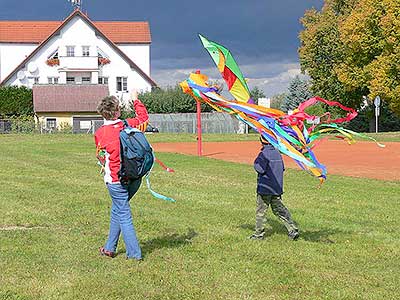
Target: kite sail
(294, 135)
(229, 70)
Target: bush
(170, 100)
(16, 101)
(365, 121)
(23, 124)
(64, 127)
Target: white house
(76, 51)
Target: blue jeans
(121, 219)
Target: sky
(261, 34)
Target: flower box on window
(53, 62)
(103, 61)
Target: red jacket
(107, 141)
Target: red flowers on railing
(53, 62)
(103, 61)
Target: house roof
(37, 31)
(68, 98)
(77, 12)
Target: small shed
(64, 106)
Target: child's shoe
(293, 234)
(258, 235)
(105, 252)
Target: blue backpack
(136, 154)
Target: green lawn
(55, 213)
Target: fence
(187, 123)
(17, 126)
(167, 123)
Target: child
(108, 153)
(269, 167)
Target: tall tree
(298, 91)
(322, 50)
(351, 48)
(371, 37)
(256, 93)
(277, 100)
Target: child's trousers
(279, 210)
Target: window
(103, 80)
(85, 125)
(86, 80)
(36, 80)
(52, 80)
(51, 123)
(85, 50)
(70, 80)
(122, 84)
(70, 51)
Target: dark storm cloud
(262, 34)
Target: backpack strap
(126, 124)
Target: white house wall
(78, 33)
(11, 55)
(140, 54)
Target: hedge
(15, 101)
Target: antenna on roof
(77, 4)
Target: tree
(170, 100)
(350, 49)
(256, 93)
(277, 100)
(322, 50)
(371, 37)
(298, 91)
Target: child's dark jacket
(269, 166)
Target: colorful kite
(294, 135)
(229, 70)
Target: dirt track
(362, 159)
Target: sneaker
(134, 258)
(294, 234)
(257, 235)
(105, 252)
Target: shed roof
(68, 97)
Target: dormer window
(70, 51)
(101, 54)
(52, 59)
(53, 55)
(102, 57)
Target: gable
(78, 29)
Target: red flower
(53, 62)
(103, 61)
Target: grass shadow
(316, 236)
(168, 241)
(319, 236)
(212, 154)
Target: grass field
(55, 213)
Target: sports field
(55, 213)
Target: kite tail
(163, 165)
(346, 133)
(155, 194)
